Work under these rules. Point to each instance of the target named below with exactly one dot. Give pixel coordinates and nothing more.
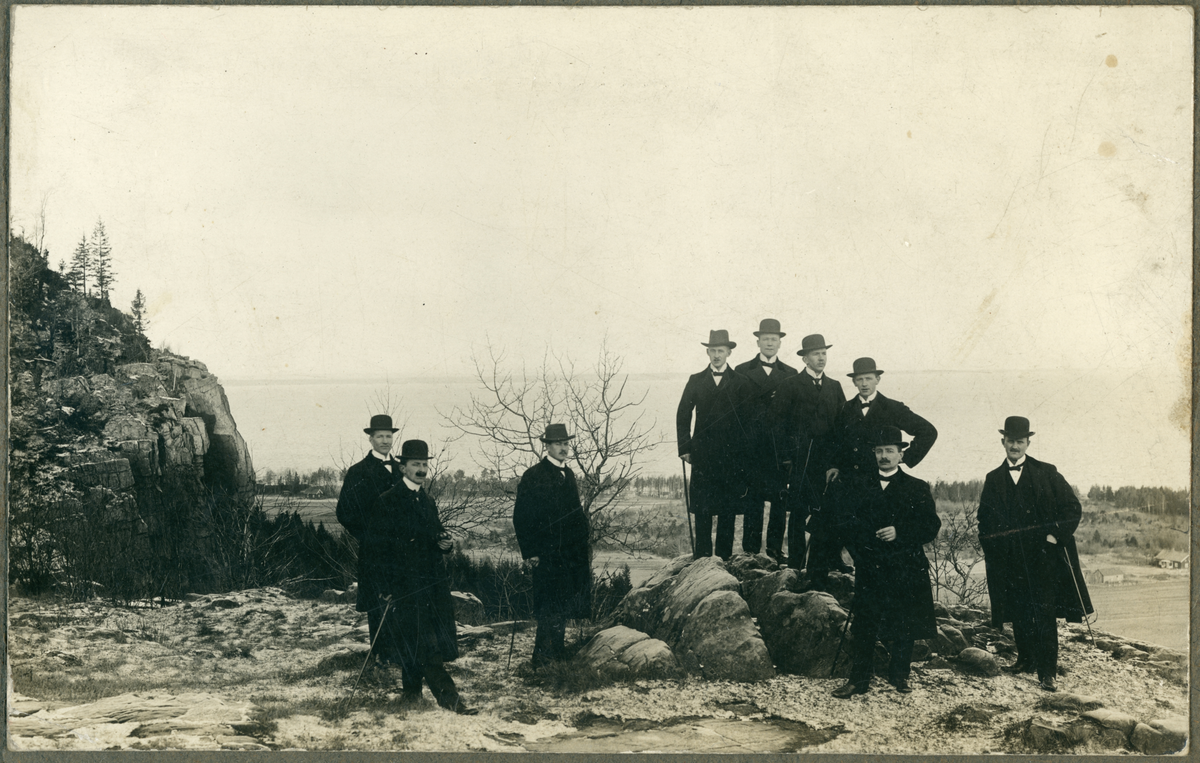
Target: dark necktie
(887, 478)
(766, 363)
(865, 405)
(816, 382)
(1015, 467)
(718, 373)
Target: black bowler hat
(556, 433)
(812, 342)
(769, 326)
(414, 450)
(865, 366)
(1016, 427)
(380, 423)
(888, 436)
(719, 338)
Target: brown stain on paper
(1111, 61)
(1106, 149)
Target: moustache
(422, 474)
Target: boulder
(977, 662)
(758, 591)
(1149, 740)
(739, 565)
(802, 632)
(1112, 719)
(840, 586)
(1041, 735)
(467, 607)
(1088, 736)
(1174, 728)
(921, 650)
(1068, 701)
(719, 641)
(1129, 652)
(950, 641)
(664, 609)
(625, 652)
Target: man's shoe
(1047, 683)
(462, 709)
(902, 686)
(1020, 666)
(849, 689)
(410, 697)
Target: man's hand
(887, 534)
(533, 561)
(445, 543)
(1051, 539)
(831, 475)
(687, 458)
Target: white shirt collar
(870, 399)
(411, 485)
(889, 474)
(380, 456)
(765, 359)
(556, 462)
(721, 370)
(809, 371)
(1018, 462)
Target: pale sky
(360, 192)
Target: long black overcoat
(768, 447)
(854, 433)
(359, 512)
(718, 442)
(551, 525)
(1023, 568)
(892, 576)
(808, 413)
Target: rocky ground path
(258, 670)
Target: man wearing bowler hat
(1027, 519)
(552, 531)
(359, 512)
(810, 401)
(770, 454)
(715, 445)
(890, 515)
(410, 545)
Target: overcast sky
(359, 192)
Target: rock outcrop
(624, 652)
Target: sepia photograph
(599, 380)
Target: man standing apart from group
(809, 403)
(552, 532)
(770, 455)
(1027, 519)
(715, 446)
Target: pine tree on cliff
(138, 310)
(81, 263)
(102, 260)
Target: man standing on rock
(716, 447)
(1027, 519)
(413, 544)
(809, 404)
(770, 457)
(552, 532)
(891, 515)
(358, 511)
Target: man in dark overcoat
(552, 532)
(855, 428)
(892, 515)
(715, 446)
(809, 403)
(770, 456)
(1027, 519)
(358, 510)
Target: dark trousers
(704, 542)
(550, 642)
(865, 630)
(417, 666)
(752, 527)
(793, 519)
(1035, 631)
(825, 546)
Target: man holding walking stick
(1027, 519)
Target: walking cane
(687, 505)
(371, 650)
(1079, 595)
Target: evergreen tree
(81, 264)
(138, 308)
(102, 260)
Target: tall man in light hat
(810, 401)
(770, 446)
(891, 515)
(410, 545)
(1027, 519)
(358, 511)
(715, 445)
(552, 531)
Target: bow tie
(718, 373)
(889, 477)
(1015, 467)
(768, 363)
(865, 403)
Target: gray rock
(467, 608)
(1151, 741)
(1112, 719)
(1068, 701)
(758, 592)
(978, 662)
(955, 640)
(740, 564)
(802, 632)
(223, 604)
(1088, 736)
(719, 641)
(921, 650)
(938, 662)
(840, 586)
(664, 609)
(626, 652)
(1174, 728)
(1128, 652)
(940, 610)
(1041, 735)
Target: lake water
(1098, 427)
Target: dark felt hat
(769, 326)
(1016, 427)
(888, 435)
(381, 423)
(865, 366)
(719, 338)
(556, 433)
(812, 342)
(414, 450)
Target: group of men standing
(764, 437)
